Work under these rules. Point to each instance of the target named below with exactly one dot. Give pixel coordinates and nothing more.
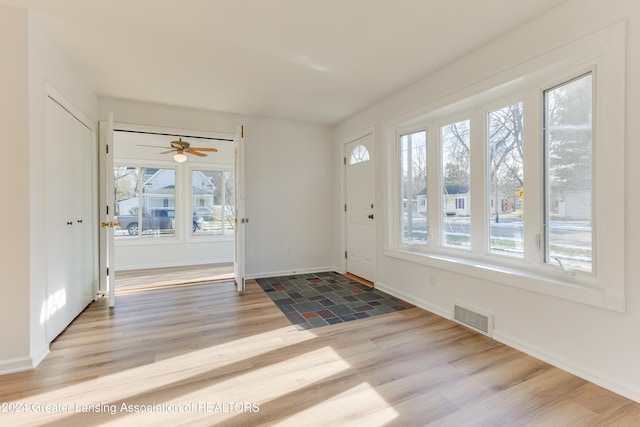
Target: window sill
(559, 287)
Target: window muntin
(568, 150)
(455, 143)
(413, 161)
(505, 176)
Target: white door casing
(360, 208)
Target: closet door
(85, 227)
(68, 212)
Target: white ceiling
(316, 61)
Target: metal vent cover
(473, 318)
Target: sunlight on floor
(351, 404)
(165, 389)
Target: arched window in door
(359, 154)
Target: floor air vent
(473, 318)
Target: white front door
(360, 209)
(240, 220)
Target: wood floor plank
(204, 355)
(140, 279)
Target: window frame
(189, 186)
(448, 121)
(527, 82)
(398, 211)
(360, 157)
(490, 108)
(144, 240)
(546, 231)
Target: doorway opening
(174, 219)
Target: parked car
(205, 212)
(157, 219)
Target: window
(213, 202)
(568, 174)
(530, 190)
(505, 177)
(145, 201)
(413, 158)
(359, 154)
(456, 167)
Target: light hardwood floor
(131, 280)
(204, 356)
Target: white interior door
(107, 248)
(240, 220)
(360, 191)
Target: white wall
(14, 244)
(33, 61)
(289, 187)
(289, 180)
(597, 344)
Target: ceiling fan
(181, 147)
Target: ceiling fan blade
(154, 146)
(169, 151)
(213, 150)
(191, 151)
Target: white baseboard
(630, 391)
(39, 356)
(413, 300)
(19, 364)
(10, 366)
(264, 275)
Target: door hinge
(107, 210)
(107, 271)
(345, 207)
(345, 254)
(344, 160)
(107, 148)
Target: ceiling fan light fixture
(179, 157)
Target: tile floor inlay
(320, 299)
